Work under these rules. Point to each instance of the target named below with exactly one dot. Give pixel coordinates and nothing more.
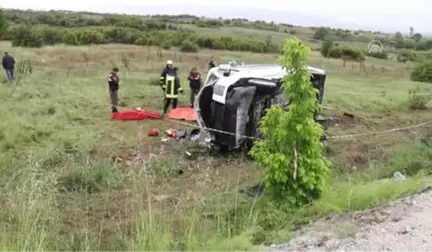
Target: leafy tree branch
(292, 152)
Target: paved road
(405, 224)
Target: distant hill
(170, 28)
(292, 17)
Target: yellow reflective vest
(171, 86)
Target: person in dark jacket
(8, 63)
(170, 84)
(194, 84)
(114, 85)
(212, 63)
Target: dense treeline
(148, 24)
(73, 20)
(158, 22)
(39, 35)
(165, 22)
(3, 22)
(35, 29)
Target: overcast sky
(368, 14)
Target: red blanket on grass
(134, 115)
(182, 113)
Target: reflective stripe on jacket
(172, 86)
(167, 71)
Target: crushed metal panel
(230, 102)
(220, 89)
(244, 100)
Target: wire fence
(202, 201)
(343, 136)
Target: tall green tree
(292, 152)
(417, 37)
(3, 22)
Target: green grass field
(72, 179)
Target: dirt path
(405, 224)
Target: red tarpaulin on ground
(134, 115)
(182, 113)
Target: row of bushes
(216, 23)
(70, 21)
(416, 41)
(329, 49)
(337, 51)
(422, 71)
(37, 36)
(404, 55)
(156, 23)
(159, 23)
(259, 25)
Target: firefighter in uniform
(170, 84)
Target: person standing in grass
(169, 69)
(9, 66)
(194, 84)
(170, 84)
(212, 63)
(114, 85)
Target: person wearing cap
(114, 85)
(170, 84)
(169, 69)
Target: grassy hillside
(72, 179)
